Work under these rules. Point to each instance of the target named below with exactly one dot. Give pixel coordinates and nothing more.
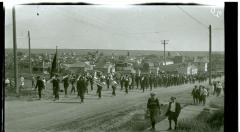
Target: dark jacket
(40, 84)
(177, 111)
(65, 82)
(81, 85)
(153, 103)
(55, 83)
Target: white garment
(44, 82)
(219, 85)
(22, 80)
(7, 81)
(173, 107)
(205, 92)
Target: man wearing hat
(174, 109)
(153, 108)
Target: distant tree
(19, 53)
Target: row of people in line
(200, 93)
(124, 81)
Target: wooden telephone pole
(15, 51)
(164, 42)
(29, 51)
(210, 54)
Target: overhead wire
(193, 18)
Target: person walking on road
(73, 81)
(173, 111)
(153, 108)
(21, 82)
(81, 86)
(142, 82)
(194, 94)
(137, 80)
(33, 81)
(7, 83)
(39, 86)
(55, 81)
(65, 84)
(219, 88)
(100, 84)
(204, 94)
(91, 81)
(45, 83)
(126, 84)
(108, 81)
(114, 86)
(122, 81)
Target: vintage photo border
(231, 60)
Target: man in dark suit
(154, 109)
(91, 78)
(65, 83)
(174, 109)
(40, 86)
(126, 84)
(137, 80)
(81, 86)
(55, 81)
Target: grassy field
(206, 121)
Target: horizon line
(117, 49)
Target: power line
(199, 22)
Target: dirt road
(68, 115)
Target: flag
(54, 66)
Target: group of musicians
(80, 82)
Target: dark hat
(173, 98)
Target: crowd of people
(81, 83)
(200, 93)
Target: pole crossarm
(164, 42)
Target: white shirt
(7, 81)
(22, 80)
(219, 85)
(205, 92)
(44, 81)
(173, 107)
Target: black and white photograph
(114, 68)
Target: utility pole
(164, 42)
(57, 59)
(15, 51)
(210, 55)
(29, 51)
(43, 62)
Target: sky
(123, 27)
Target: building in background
(78, 67)
(218, 63)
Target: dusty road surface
(68, 115)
